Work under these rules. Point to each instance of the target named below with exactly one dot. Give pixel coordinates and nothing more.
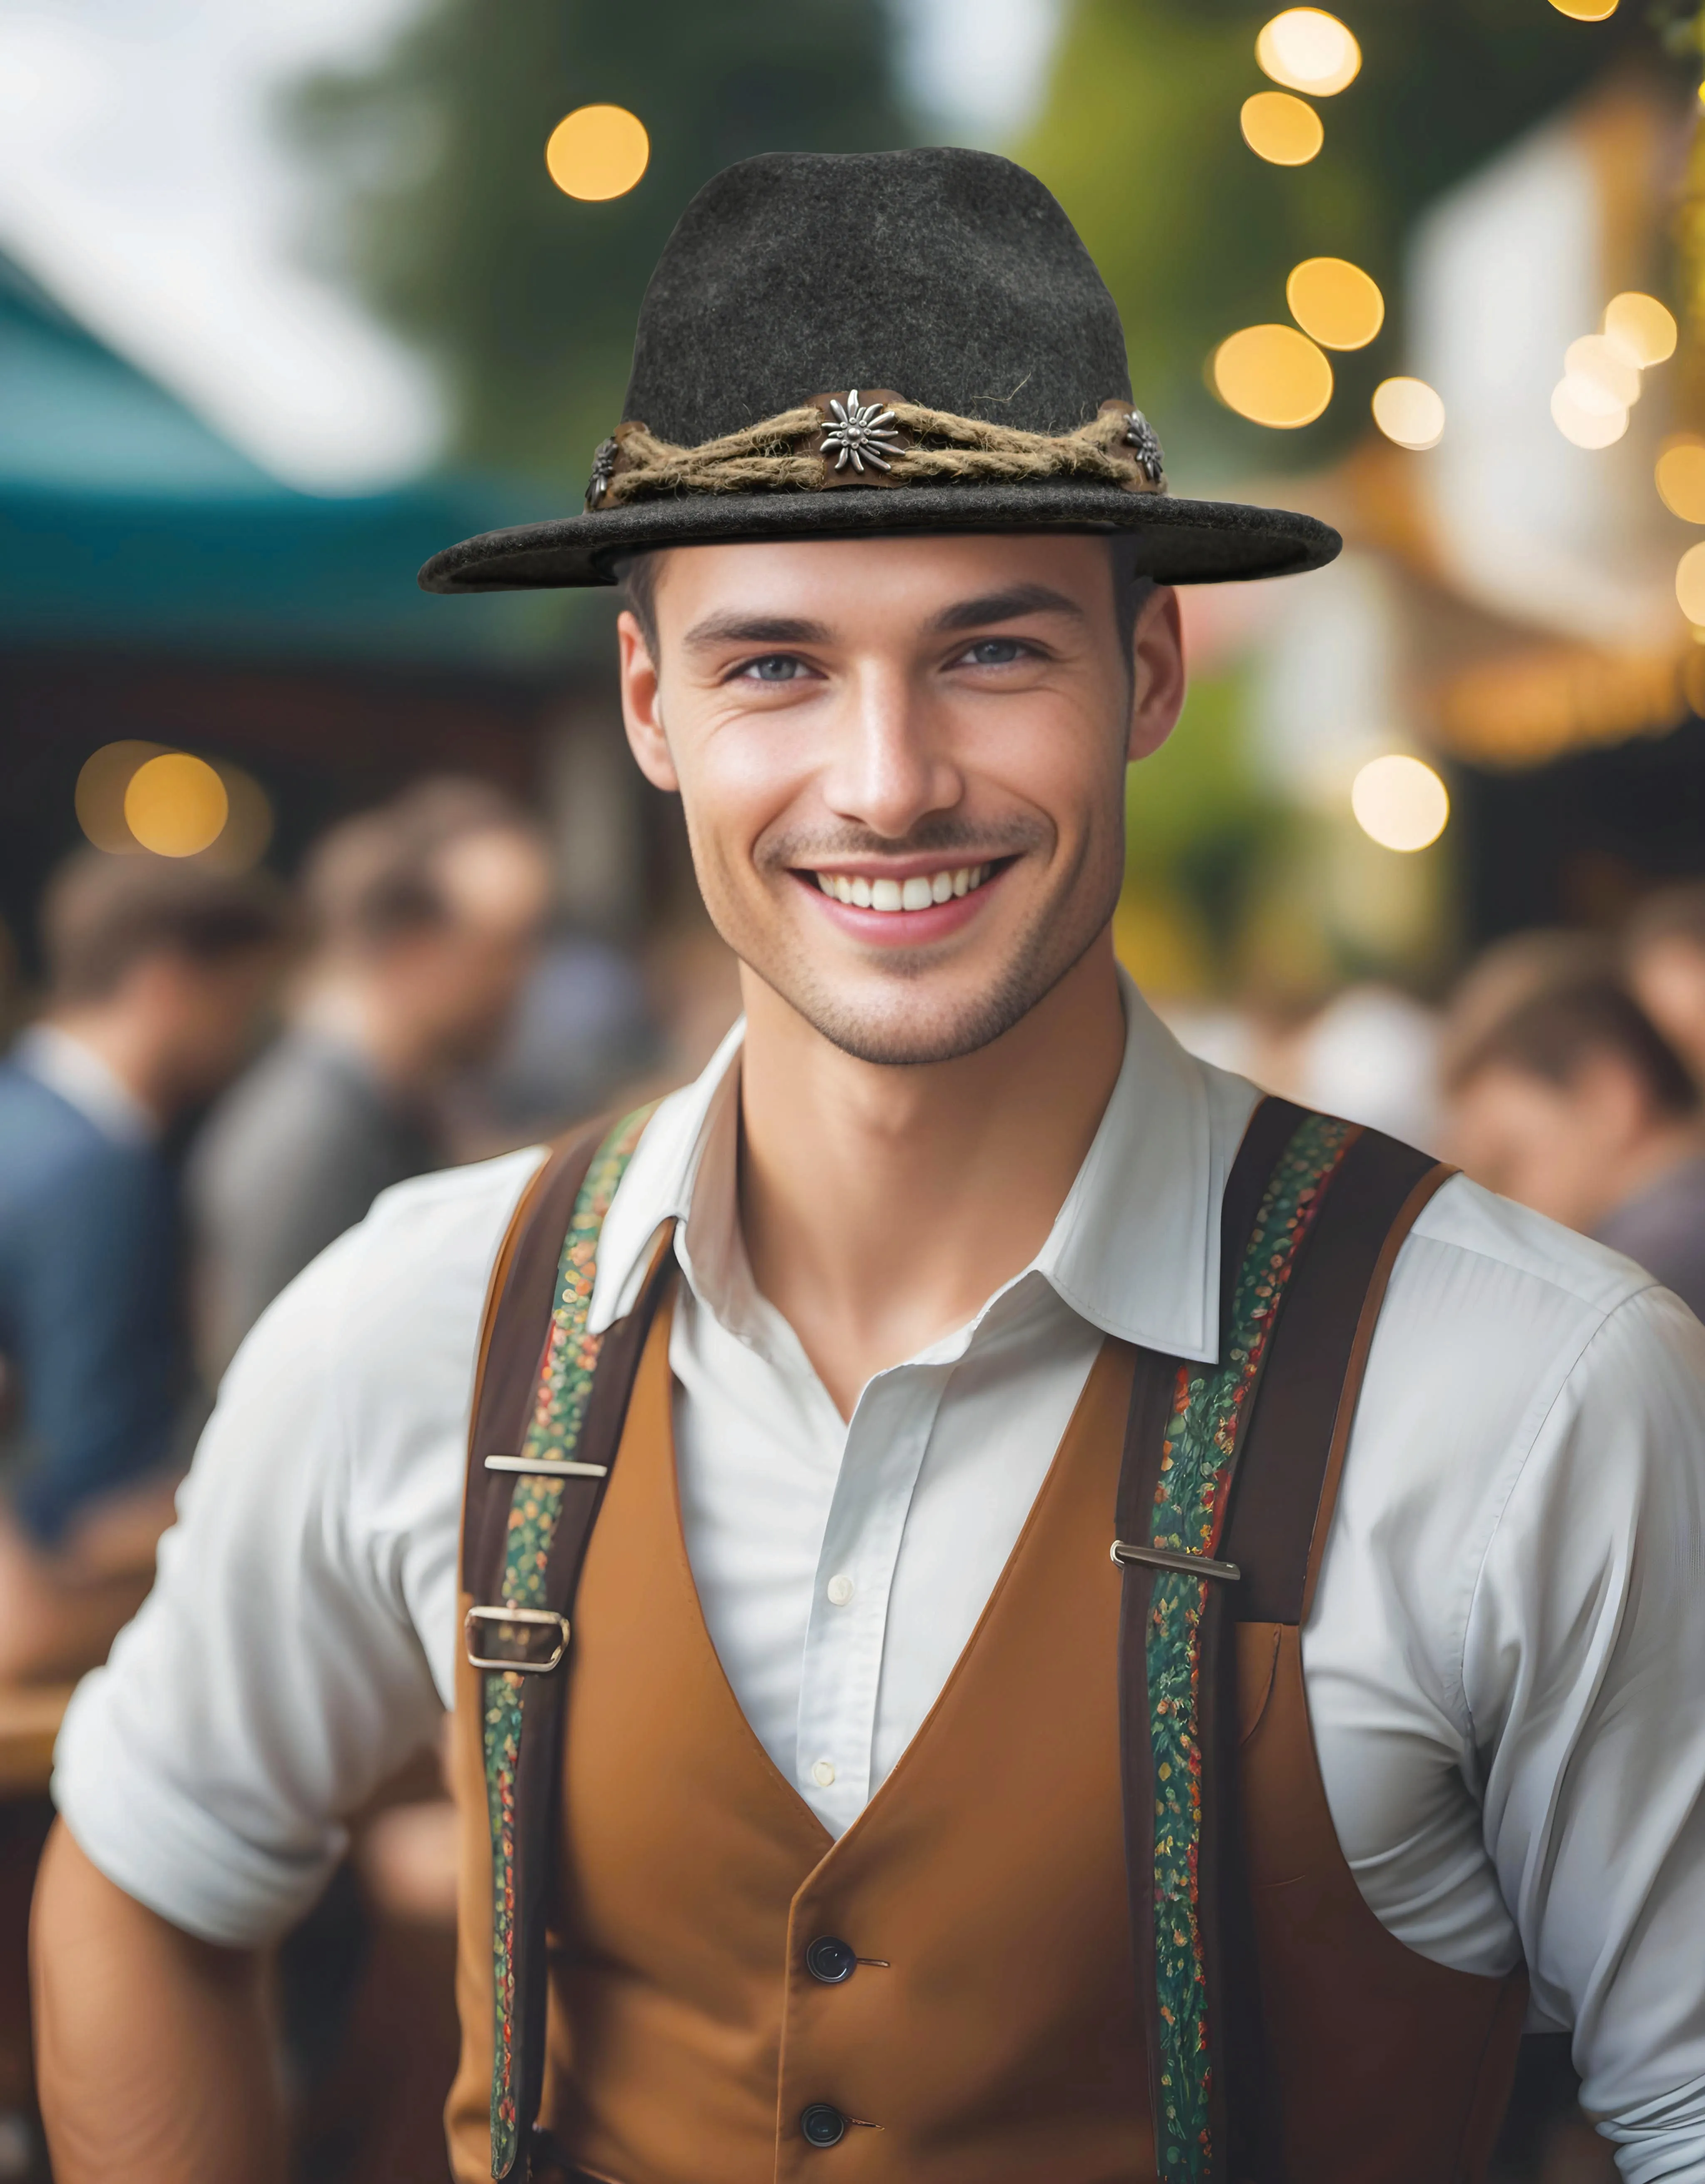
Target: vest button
(831, 1960)
(821, 2125)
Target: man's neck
(882, 1206)
(121, 1041)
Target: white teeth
(917, 893)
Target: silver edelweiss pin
(1141, 438)
(603, 469)
(862, 432)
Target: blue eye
(995, 652)
(775, 668)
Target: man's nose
(891, 767)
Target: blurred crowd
(220, 1074)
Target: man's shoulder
(45, 1141)
(1485, 1240)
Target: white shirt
(1505, 1663)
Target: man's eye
(995, 652)
(775, 668)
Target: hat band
(879, 439)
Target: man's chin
(913, 1029)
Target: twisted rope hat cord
(766, 457)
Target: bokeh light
(1284, 130)
(1689, 584)
(175, 804)
(1641, 328)
(100, 794)
(1680, 476)
(1306, 49)
(1599, 374)
(1335, 302)
(1586, 11)
(243, 840)
(1272, 375)
(598, 152)
(1409, 412)
(1400, 802)
(1583, 421)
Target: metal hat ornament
(838, 344)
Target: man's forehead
(920, 571)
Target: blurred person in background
(157, 972)
(1574, 1102)
(425, 918)
(1665, 956)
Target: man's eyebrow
(752, 629)
(1005, 606)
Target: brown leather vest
(991, 2029)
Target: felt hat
(879, 342)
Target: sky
(142, 182)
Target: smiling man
(1023, 1613)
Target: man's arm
(152, 2048)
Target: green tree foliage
(1196, 235)
(450, 229)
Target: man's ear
(642, 712)
(1157, 679)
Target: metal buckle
(1167, 1558)
(544, 1467)
(523, 1618)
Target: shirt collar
(1135, 1249)
(61, 1061)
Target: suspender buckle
(1165, 1558)
(531, 1640)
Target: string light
(1274, 375)
(1281, 129)
(1586, 11)
(1334, 301)
(1640, 328)
(1306, 49)
(1680, 475)
(99, 798)
(1588, 422)
(598, 152)
(1689, 584)
(1400, 802)
(1409, 412)
(175, 804)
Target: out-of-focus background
(309, 883)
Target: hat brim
(1183, 542)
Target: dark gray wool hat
(879, 342)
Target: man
(862, 1855)
(426, 914)
(156, 971)
(1573, 1103)
(1665, 948)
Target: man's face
(1668, 977)
(1561, 1148)
(902, 764)
(461, 978)
(208, 1015)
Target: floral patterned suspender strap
(1313, 1212)
(529, 1516)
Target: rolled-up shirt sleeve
(1584, 1679)
(296, 1648)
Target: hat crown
(951, 275)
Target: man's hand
(152, 2046)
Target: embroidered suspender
(518, 1637)
(1306, 1192)
(1338, 1201)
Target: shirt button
(841, 1589)
(821, 2125)
(823, 1773)
(831, 1960)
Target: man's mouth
(922, 891)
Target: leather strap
(1287, 1461)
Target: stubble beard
(1059, 933)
